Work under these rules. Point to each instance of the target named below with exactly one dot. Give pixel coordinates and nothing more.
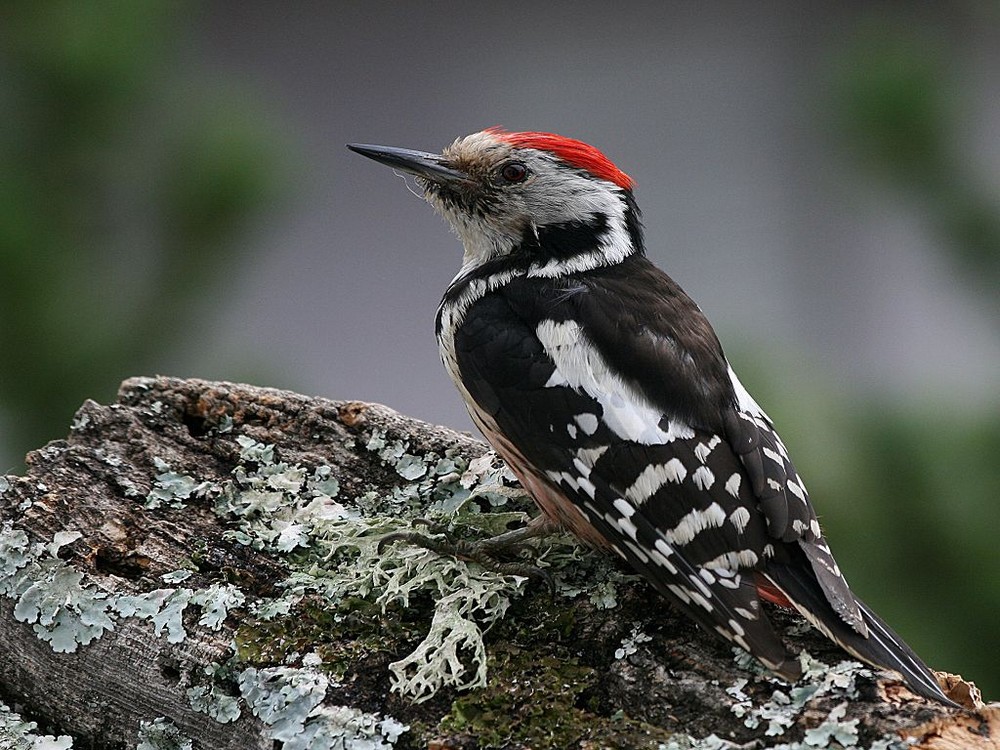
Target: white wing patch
(694, 522)
(796, 489)
(744, 400)
(733, 560)
(588, 423)
(774, 456)
(702, 450)
(703, 478)
(739, 518)
(733, 484)
(579, 365)
(589, 456)
(654, 477)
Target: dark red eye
(513, 171)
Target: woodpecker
(607, 392)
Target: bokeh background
(824, 178)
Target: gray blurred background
(823, 178)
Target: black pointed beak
(420, 163)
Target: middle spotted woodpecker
(605, 389)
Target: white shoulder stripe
(579, 365)
(744, 400)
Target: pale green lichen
(289, 701)
(284, 508)
(332, 550)
(210, 700)
(15, 553)
(577, 572)
(277, 503)
(683, 742)
(631, 643)
(225, 425)
(48, 593)
(410, 467)
(834, 728)
(467, 599)
(215, 602)
(165, 608)
(289, 509)
(161, 734)
(171, 489)
(18, 734)
(80, 422)
(780, 711)
(437, 662)
(786, 706)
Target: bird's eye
(512, 172)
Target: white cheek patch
(578, 198)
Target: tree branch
(197, 565)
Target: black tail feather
(885, 648)
(882, 647)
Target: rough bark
(164, 480)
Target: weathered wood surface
(147, 486)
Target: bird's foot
(493, 554)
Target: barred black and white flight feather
(606, 390)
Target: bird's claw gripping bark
(489, 553)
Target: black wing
(671, 499)
(660, 335)
(615, 392)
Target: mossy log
(198, 566)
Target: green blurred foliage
(908, 491)
(898, 99)
(123, 192)
(124, 189)
(907, 495)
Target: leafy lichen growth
(631, 643)
(712, 742)
(421, 618)
(165, 607)
(48, 593)
(211, 699)
(161, 734)
(286, 508)
(18, 734)
(786, 708)
(171, 489)
(834, 728)
(289, 701)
